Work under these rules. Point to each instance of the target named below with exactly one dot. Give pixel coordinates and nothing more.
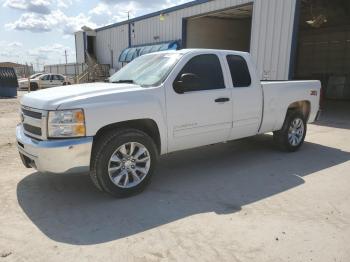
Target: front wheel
(123, 162)
(292, 135)
(34, 87)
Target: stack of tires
(8, 82)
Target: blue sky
(38, 31)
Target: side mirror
(187, 82)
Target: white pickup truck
(157, 104)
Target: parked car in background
(23, 82)
(157, 104)
(43, 81)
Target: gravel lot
(239, 201)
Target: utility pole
(65, 54)
(129, 29)
(37, 64)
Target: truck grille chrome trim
(32, 114)
(34, 122)
(32, 129)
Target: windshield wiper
(124, 81)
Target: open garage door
(323, 50)
(228, 29)
(323, 53)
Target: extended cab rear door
(247, 96)
(202, 115)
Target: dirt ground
(239, 201)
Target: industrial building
(289, 39)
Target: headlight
(66, 123)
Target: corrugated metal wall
(110, 43)
(79, 47)
(271, 39)
(272, 30)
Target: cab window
(239, 71)
(208, 71)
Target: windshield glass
(35, 76)
(147, 70)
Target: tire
(107, 155)
(34, 87)
(292, 135)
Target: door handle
(222, 100)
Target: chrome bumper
(54, 156)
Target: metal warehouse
(289, 39)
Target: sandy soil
(239, 201)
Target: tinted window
(46, 77)
(208, 69)
(57, 77)
(239, 71)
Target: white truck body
(184, 121)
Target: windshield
(35, 76)
(147, 70)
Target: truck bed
(278, 96)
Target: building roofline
(164, 11)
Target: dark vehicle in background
(8, 82)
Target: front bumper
(54, 156)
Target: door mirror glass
(187, 82)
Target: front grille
(33, 114)
(32, 129)
(33, 121)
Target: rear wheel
(292, 135)
(123, 162)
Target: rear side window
(239, 71)
(208, 69)
(58, 77)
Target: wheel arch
(147, 125)
(303, 106)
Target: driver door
(201, 114)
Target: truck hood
(52, 98)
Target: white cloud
(65, 3)
(56, 20)
(101, 9)
(111, 11)
(53, 52)
(15, 44)
(34, 6)
(11, 50)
